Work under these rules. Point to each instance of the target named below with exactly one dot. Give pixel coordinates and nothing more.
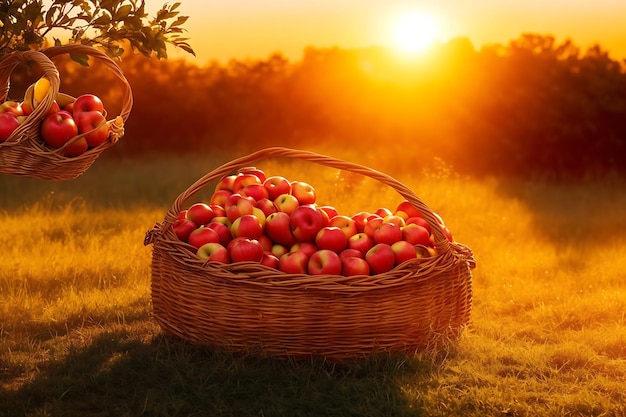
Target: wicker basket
(24, 152)
(246, 307)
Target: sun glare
(414, 32)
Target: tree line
(533, 106)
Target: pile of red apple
(277, 222)
(84, 115)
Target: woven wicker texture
(24, 153)
(249, 308)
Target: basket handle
(441, 242)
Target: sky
(226, 29)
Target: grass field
(548, 336)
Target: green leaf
(122, 13)
(82, 59)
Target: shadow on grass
(119, 375)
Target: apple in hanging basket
(58, 128)
(94, 124)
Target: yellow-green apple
(226, 183)
(233, 242)
(202, 235)
(383, 212)
(8, 124)
(279, 250)
(183, 227)
(253, 170)
(27, 108)
(222, 219)
(218, 210)
(258, 213)
(373, 221)
(256, 191)
(416, 234)
(246, 250)
(278, 228)
(219, 197)
(345, 223)
(351, 266)
(293, 263)
(248, 226)
(420, 221)
(94, 125)
(409, 209)
(360, 220)
(307, 247)
(11, 106)
(397, 220)
(276, 185)
(330, 210)
(200, 213)
(266, 242)
(267, 206)
(222, 229)
(75, 147)
(361, 242)
(388, 233)
(403, 251)
(88, 102)
(304, 192)
(324, 261)
(332, 238)
(58, 128)
(237, 205)
(243, 180)
(306, 220)
(286, 203)
(213, 252)
(422, 251)
(380, 258)
(270, 260)
(347, 253)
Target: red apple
(293, 263)
(388, 233)
(222, 229)
(11, 106)
(380, 258)
(182, 228)
(306, 220)
(383, 212)
(219, 197)
(256, 191)
(447, 233)
(416, 235)
(253, 170)
(372, 224)
(267, 206)
(348, 253)
(332, 238)
(408, 208)
(182, 215)
(248, 226)
(203, 235)
(397, 220)
(266, 242)
(360, 220)
(213, 252)
(352, 266)
(243, 180)
(8, 124)
(237, 205)
(58, 128)
(345, 223)
(278, 228)
(200, 213)
(324, 261)
(420, 221)
(270, 260)
(361, 242)
(86, 103)
(307, 247)
(218, 210)
(276, 185)
(226, 183)
(330, 210)
(258, 213)
(246, 250)
(304, 192)
(286, 203)
(75, 147)
(403, 251)
(94, 125)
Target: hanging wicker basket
(250, 308)
(24, 152)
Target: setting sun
(414, 32)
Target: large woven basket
(24, 152)
(246, 307)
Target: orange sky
(224, 29)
